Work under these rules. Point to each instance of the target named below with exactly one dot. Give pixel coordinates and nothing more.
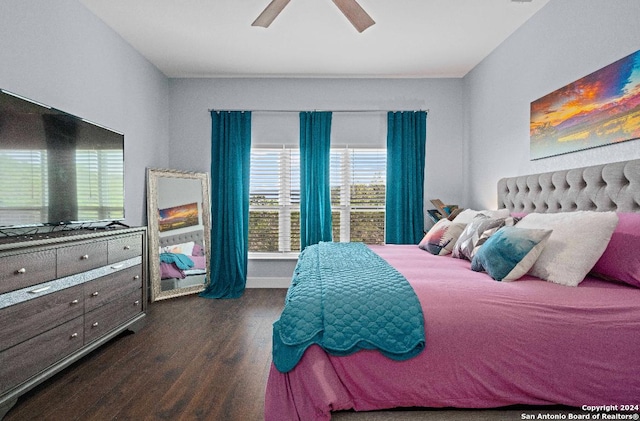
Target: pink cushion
(169, 270)
(199, 262)
(197, 250)
(621, 259)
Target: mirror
(179, 227)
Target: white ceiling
(311, 38)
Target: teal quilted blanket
(345, 298)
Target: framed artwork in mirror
(179, 232)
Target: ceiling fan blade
(355, 13)
(270, 13)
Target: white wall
(60, 54)
(191, 127)
(191, 124)
(564, 41)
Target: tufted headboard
(606, 187)
(184, 237)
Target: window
(25, 171)
(274, 200)
(358, 178)
(99, 185)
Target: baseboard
(264, 282)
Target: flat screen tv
(56, 168)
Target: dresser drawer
(23, 270)
(27, 319)
(124, 248)
(103, 319)
(108, 288)
(22, 361)
(81, 257)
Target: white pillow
(183, 248)
(575, 245)
(467, 215)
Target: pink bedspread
(489, 344)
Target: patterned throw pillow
(475, 234)
(441, 237)
(510, 252)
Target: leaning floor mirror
(179, 226)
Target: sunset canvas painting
(599, 109)
(178, 217)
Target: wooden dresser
(62, 295)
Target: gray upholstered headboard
(606, 187)
(184, 237)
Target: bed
(490, 344)
(174, 272)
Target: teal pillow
(510, 252)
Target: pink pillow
(197, 250)
(169, 270)
(199, 262)
(621, 259)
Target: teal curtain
(230, 160)
(315, 190)
(406, 136)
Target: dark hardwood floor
(195, 359)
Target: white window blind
(358, 178)
(99, 184)
(24, 172)
(274, 200)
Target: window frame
(288, 204)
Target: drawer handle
(74, 335)
(85, 257)
(117, 266)
(74, 302)
(136, 303)
(39, 290)
(94, 324)
(127, 247)
(95, 294)
(21, 271)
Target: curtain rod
(300, 111)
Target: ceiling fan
(350, 8)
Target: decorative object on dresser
(178, 212)
(62, 295)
